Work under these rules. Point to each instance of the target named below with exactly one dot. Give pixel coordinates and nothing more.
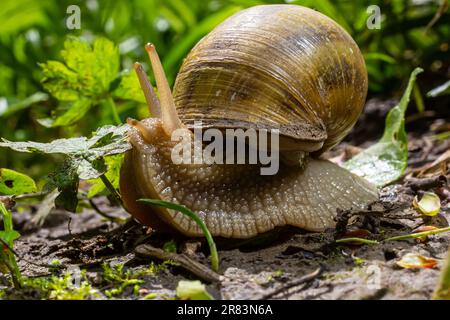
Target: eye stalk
(164, 108)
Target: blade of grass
(357, 240)
(418, 234)
(196, 218)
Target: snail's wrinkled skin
(235, 201)
(276, 66)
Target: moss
(122, 279)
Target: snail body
(280, 67)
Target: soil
(273, 265)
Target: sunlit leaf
(15, 183)
(192, 290)
(129, 88)
(82, 80)
(429, 205)
(416, 261)
(386, 160)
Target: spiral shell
(280, 67)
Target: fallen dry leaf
(416, 261)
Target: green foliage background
(33, 32)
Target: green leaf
(386, 161)
(443, 89)
(83, 79)
(84, 159)
(15, 183)
(70, 115)
(192, 290)
(106, 141)
(196, 218)
(129, 88)
(113, 164)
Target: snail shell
(276, 66)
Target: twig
(426, 183)
(196, 268)
(305, 279)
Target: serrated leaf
(83, 79)
(14, 183)
(84, 159)
(386, 161)
(107, 140)
(192, 290)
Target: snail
(268, 67)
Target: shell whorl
(276, 66)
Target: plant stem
(396, 238)
(113, 109)
(111, 190)
(196, 218)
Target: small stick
(196, 268)
(426, 183)
(305, 279)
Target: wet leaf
(84, 159)
(386, 161)
(429, 205)
(192, 290)
(15, 183)
(416, 261)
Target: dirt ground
(274, 265)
